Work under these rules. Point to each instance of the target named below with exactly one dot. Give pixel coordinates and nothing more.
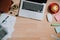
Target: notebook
(57, 17)
(32, 9)
(8, 24)
(57, 29)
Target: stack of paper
(8, 24)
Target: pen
(55, 24)
(53, 36)
(5, 19)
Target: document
(7, 22)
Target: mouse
(49, 17)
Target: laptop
(32, 9)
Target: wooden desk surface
(28, 29)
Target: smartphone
(2, 32)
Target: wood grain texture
(28, 29)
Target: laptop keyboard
(32, 7)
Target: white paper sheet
(8, 24)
